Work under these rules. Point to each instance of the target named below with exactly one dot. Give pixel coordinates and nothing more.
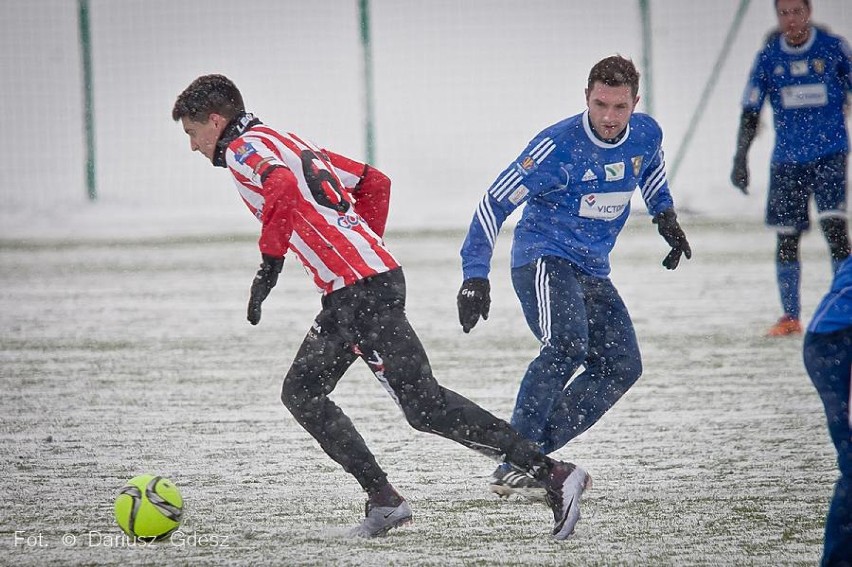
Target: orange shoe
(786, 325)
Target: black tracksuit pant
(368, 319)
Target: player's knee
(837, 236)
(631, 369)
(288, 397)
(788, 248)
(293, 393)
(570, 353)
(419, 415)
(419, 421)
(307, 406)
(844, 464)
(434, 412)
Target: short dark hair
(615, 71)
(807, 3)
(208, 94)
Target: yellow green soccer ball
(148, 507)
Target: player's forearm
(372, 196)
(476, 252)
(747, 131)
(482, 235)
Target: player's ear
(219, 121)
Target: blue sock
(788, 275)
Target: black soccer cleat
(506, 481)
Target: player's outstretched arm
(671, 231)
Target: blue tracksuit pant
(828, 360)
(581, 322)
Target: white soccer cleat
(379, 520)
(565, 486)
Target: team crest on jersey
(242, 153)
(799, 68)
(637, 165)
(819, 66)
(589, 176)
(614, 171)
(779, 70)
(526, 165)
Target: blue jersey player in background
(806, 73)
(576, 179)
(828, 360)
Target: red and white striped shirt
(328, 209)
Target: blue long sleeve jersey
(577, 192)
(834, 312)
(807, 88)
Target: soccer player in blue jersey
(576, 178)
(828, 359)
(806, 73)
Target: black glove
(669, 229)
(474, 299)
(739, 174)
(264, 281)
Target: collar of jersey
(235, 128)
(597, 141)
(787, 48)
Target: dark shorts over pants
(792, 184)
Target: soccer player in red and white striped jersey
(330, 211)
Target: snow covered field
(125, 357)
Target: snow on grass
(124, 357)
